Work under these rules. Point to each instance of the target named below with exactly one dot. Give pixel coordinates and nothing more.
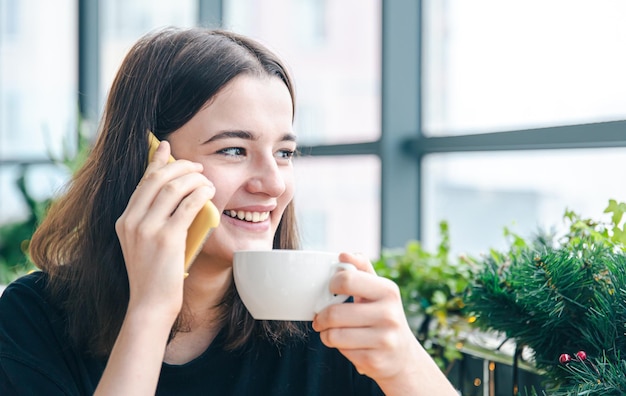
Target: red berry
(565, 358)
(581, 355)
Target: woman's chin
(255, 245)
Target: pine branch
(596, 377)
(556, 301)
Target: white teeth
(253, 217)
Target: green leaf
(618, 209)
(619, 235)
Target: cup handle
(329, 298)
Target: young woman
(111, 311)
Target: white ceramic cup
(286, 284)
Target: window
(492, 65)
(526, 191)
(338, 77)
(38, 80)
(333, 49)
(501, 78)
(338, 203)
(123, 22)
(486, 114)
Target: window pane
(481, 193)
(124, 21)
(338, 203)
(333, 49)
(13, 207)
(38, 81)
(41, 182)
(501, 65)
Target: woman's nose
(266, 177)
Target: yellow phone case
(206, 220)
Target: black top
(36, 358)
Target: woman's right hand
(152, 232)
(153, 229)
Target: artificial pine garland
(566, 301)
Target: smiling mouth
(253, 217)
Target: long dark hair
(165, 79)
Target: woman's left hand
(373, 333)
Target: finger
(190, 206)
(363, 285)
(156, 177)
(161, 154)
(171, 195)
(350, 338)
(360, 261)
(363, 338)
(349, 315)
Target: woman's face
(245, 140)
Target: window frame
(402, 145)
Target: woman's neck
(205, 288)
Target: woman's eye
(286, 154)
(233, 151)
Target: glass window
(338, 203)
(492, 65)
(40, 182)
(37, 77)
(333, 49)
(13, 207)
(481, 193)
(125, 21)
(38, 104)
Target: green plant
(15, 236)
(565, 299)
(432, 287)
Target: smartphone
(206, 220)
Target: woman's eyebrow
(289, 137)
(230, 135)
